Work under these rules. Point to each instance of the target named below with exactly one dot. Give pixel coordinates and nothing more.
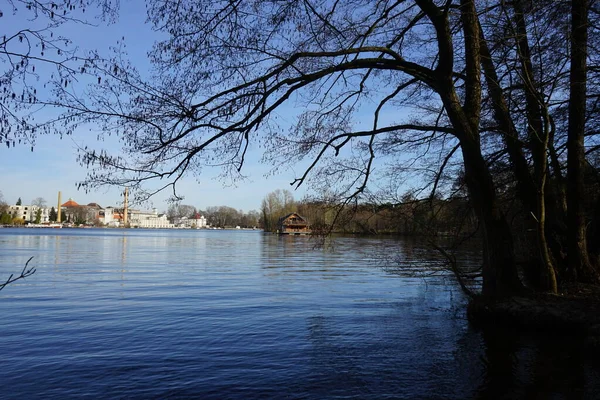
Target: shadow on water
(414, 352)
(536, 366)
(484, 364)
(230, 315)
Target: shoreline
(572, 312)
(34, 226)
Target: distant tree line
(274, 206)
(216, 216)
(7, 218)
(501, 98)
(410, 216)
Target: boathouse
(293, 224)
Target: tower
(58, 214)
(125, 206)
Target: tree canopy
(275, 205)
(35, 58)
(502, 95)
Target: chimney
(58, 208)
(125, 206)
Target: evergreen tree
(5, 218)
(53, 215)
(19, 202)
(38, 216)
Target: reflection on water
(523, 366)
(234, 314)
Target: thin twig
(24, 274)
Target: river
(209, 314)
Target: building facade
(28, 213)
(148, 219)
(197, 221)
(293, 224)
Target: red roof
(70, 203)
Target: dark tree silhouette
(34, 58)
(433, 89)
(27, 271)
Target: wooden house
(293, 224)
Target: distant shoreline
(33, 226)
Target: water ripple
(231, 314)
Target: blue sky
(52, 165)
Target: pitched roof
(290, 214)
(70, 203)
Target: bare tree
(36, 57)
(39, 202)
(579, 262)
(27, 271)
(3, 205)
(425, 89)
(275, 205)
(178, 210)
(248, 59)
(222, 216)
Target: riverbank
(71, 226)
(575, 311)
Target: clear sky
(52, 165)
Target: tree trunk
(525, 184)
(500, 276)
(580, 267)
(538, 130)
(499, 270)
(593, 236)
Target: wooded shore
(573, 312)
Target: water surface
(240, 314)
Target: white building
(197, 221)
(28, 213)
(111, 217)
(148, 219)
